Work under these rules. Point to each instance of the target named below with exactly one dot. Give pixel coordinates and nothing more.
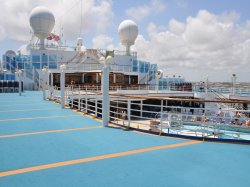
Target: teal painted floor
(205, 164)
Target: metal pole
(79, 99)
(129, 112)
(105, 95)
(206, 86)
(62, 88)
(44, 94)
(4, 74)
(96, 105)
(19, 84)
(86, 101)
(157, 84)
(44, 79)
(161, 114)
(141, 108)
(51, 79)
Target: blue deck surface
(204, 164)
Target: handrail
(191, 121)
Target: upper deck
(44, 145)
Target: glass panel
(35, 58)
(44, 64)
(36, 65)
(20, 65)
(44, 58)
(135, 67)
(52, 65)
(52, 58)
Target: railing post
(62, 87)
(141, 108)
(79, 100)
(86, 102)
(129, 112)
(105, 95)
(161, 115)
(62, 84)
(79, 103)
(96, 105)
(72, 103)
(105, 89)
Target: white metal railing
(239, 90)
(161, 118)
(97, 66)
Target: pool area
(44, 145)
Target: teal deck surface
(204, 164)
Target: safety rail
(161, 118)
(98, 66)
(240, 89)
(146, 87)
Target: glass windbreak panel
(20, 65)
(146, 68)
(52, 58)
(152, 74)
(135, 66)
(44, 58)
(13, 64)
(8, 66)
(36, 65)
(26, 58)
(52, 65)
(44, 65)
(36, 58)
(7, 59)
(141, 66)
(28, 66)
(18, 59)
(153, 67)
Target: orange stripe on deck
(32, 109)
(50, 131)
(41, 117)
(91, 159)
(25, 104)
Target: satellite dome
(128, 32)
(42, 22)
(10, 53)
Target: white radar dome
(128, 32)
(42, 22)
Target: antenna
(81, 21)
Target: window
(44, 58)
(135, 66)
(36, 65)
(52, 58)
(35, 58)
(52, 65)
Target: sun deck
(44, 145)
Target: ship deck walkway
(44, 145)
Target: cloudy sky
(192, 38)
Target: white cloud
(181, 3)
(102, 42)
(14, 17)
(176, 27)
(204, 44)
(152, 8)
